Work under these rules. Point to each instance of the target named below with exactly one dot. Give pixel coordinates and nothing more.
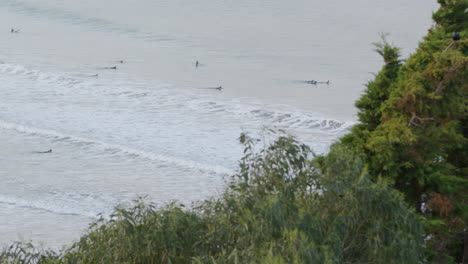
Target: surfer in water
(44, 152)
(213, 88)
(316, 82)
(111, 68)
(196, 64)
(14, 30)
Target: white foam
(103, 146)
(57, 205)
(165, 95)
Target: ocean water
(154, 127)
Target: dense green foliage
(413, 131)
(279, 208)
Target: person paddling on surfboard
(44, 152)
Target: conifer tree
(414, 128)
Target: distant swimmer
(316, 82)
(112, 68)
(120, 61)
(214, 88)
(196, 64)
(14, 30)
(95, 75)
(44, 152)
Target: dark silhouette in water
(14, 30)
(44, 152)
(196, 64)
(112, 68)
(316, 82)
(121, 61)
(214, 88)
(95, 75)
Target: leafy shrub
(281, 207)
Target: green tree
(413, 131)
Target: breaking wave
(163, 95)
(115, 148)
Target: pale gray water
(147, 128)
